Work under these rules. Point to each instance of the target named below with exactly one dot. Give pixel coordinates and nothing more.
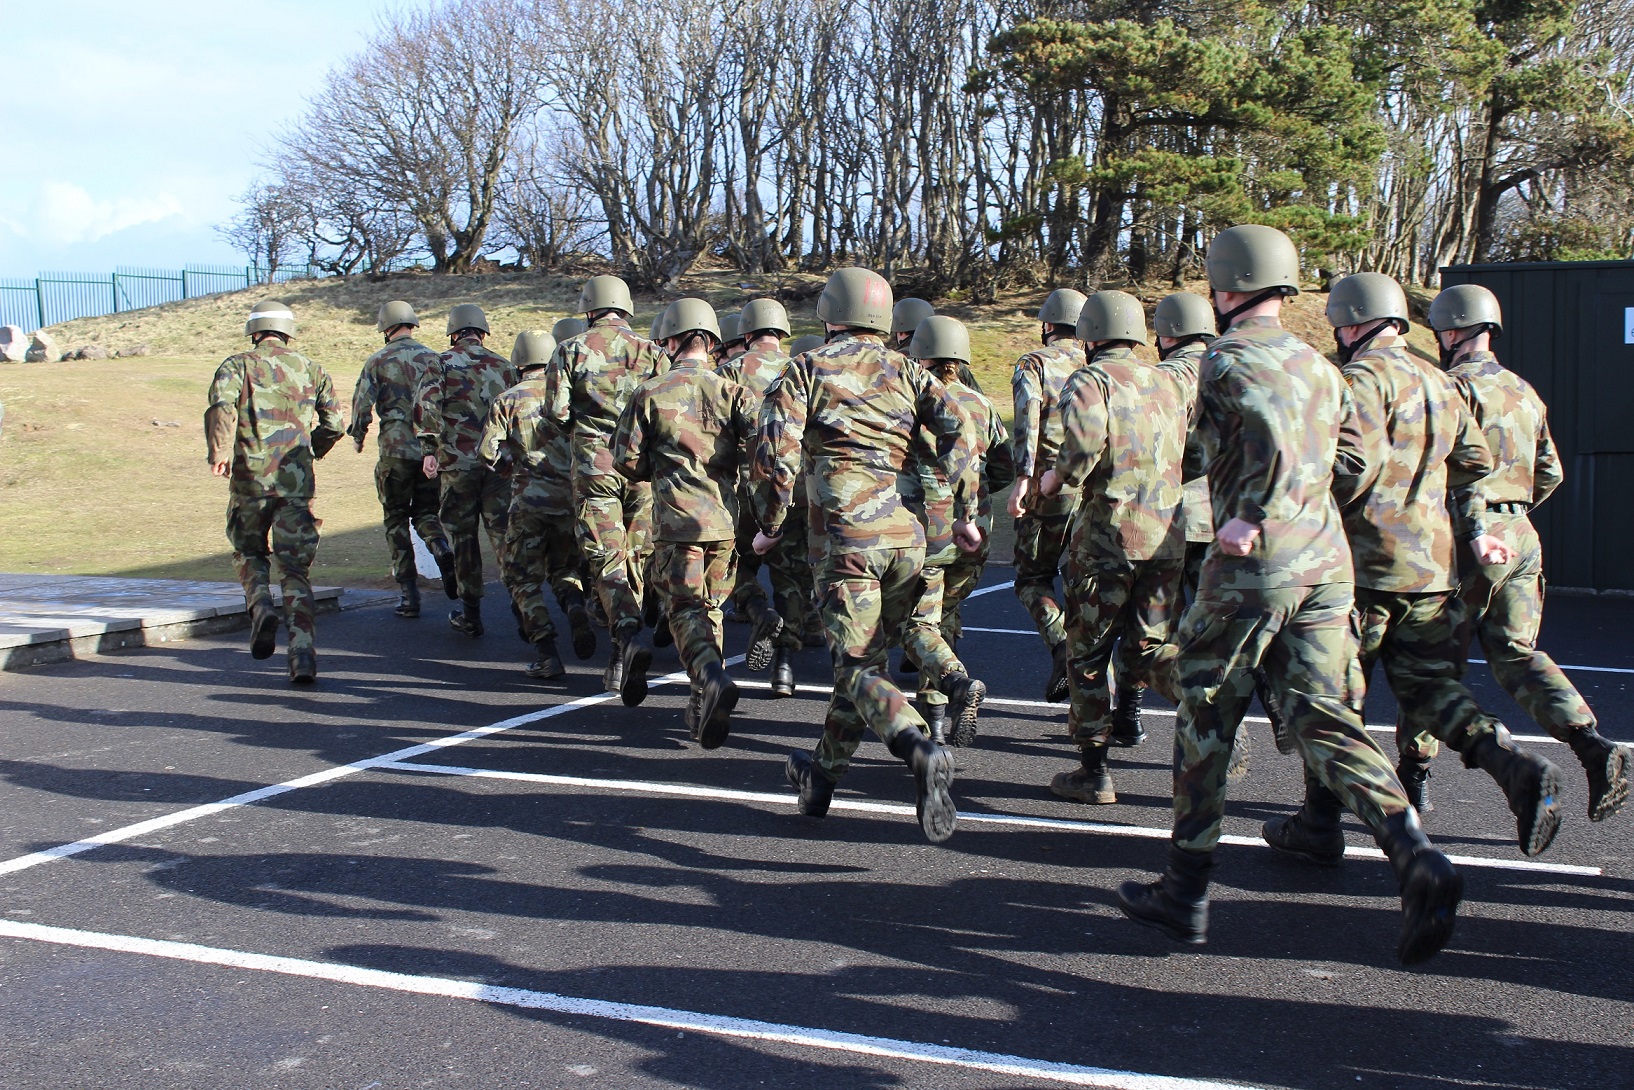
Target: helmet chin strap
(1182, 342)
(1348, 352)
(1224, 319)
(1449, 354)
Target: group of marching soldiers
(1239, 518)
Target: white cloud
(64, 213)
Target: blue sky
(127, 129)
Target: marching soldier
(1184, 324)
(1504, 602)
(272, 413)
(407, 496)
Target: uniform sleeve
(1467, 465)
(1084, 427)
(946, 423)
(1000, 468)
(559, 386)
(331, 421)
(1371, 438)
(1028, 393)
(428, 409)
(221, 415)
(1546, 470)
(363, 396)
(495, 430)
(629, 443)
(777, 455)
(1352, 461)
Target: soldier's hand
(1237, 537)
(219, 468)
(1490, 550)
(357, 444)
(428, 465)
(968, 536)
(764, 544)
(1049, 484)
(1018, 496)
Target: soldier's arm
(947, 425)
(331, 421)
(1364, 444)
(1546, 470)
(495, 430)
(558, 404)
(1028, 393)
(1468, 464)
(362, 404)
(629, 443)
(428, 409)
(1001, 463)
(221, 415)
(777, 453)
(1084, 427)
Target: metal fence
(54, 297)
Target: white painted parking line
(990, 590)
(661, 1017)
(725, 794)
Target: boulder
(137, 350)
(42, 348)
(13, 343)
(91, 352)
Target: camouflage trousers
(408, 497)
(265, 528)
(1302, 638)
(1128, 602)
(540, 549)
(1042, 534)
(791, 571)
(864, 598)
(693, 579)
(614, 524)
(1196, 551)
(746, 586)
(474, 499)
(931, 635)
(1504, 606)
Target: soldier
(942, 344)
(1418, 496)
(567, 327)
(540, 546)
(690, 428)
(386, 385)
(450, 411)
(845, 412)
(1276, 593)
(1124, 424)
(805, 343)
(777, 624)
(732, 342)
(1043, 524)
(272, 412)
(1184, 324)
(592, 377)
(905, 319)
(1504, 602)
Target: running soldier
(273, 412)
(407, 496)
(1184, 324)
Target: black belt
(1517, 508)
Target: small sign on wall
(1628, 325)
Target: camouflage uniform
(272, 412)
(687, 431)
(1277, 421)
(407, 496)
(1042, 532)
(592, 377)
(1196, 509)
(450, 412)
(540, 546)
(847, 412)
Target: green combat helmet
(1464, 305)
(568, 327)
(394, 314)
(467, 316)
(270, 316)
(532, 349)
(1365, 297)
(1183, 314)
(907, 314)
(941, 338)
(688, 316)
(729, 329)
(1111, 316)
(805, 343)
(856, 299)
(1253, 258)
(760, 316)
(605, 292)
(1062, 307)
(652, 330)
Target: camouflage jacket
(592, 377)
(272, 411)
(756, 370)
(1525, 466)
(538, 452)
(452, 402)
(1036, 387)
(1278, 424)
(848, 412)
(1196, 509)
(1124, 425)
(1424, 457)
(686, 431)
(931, 498)
(386, 386)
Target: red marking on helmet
(878, 291)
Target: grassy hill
(102, 462)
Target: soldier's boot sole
(964, 707)
(549, 665)
(1290, 835)
(1430, 894)
(637, 655)
(584, 634)
(816, 790)
(1607, 771)
(933, 777)
(1533, 791)
(1150, 905)
(1058, 687)
(720, 696)
(767, 627)
(263, 633)
(1081, 785)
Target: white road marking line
(726, 794)
(661, 1017)
(1583, 669)
(261, 794)
(991, 590)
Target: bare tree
(268, 227)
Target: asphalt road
(605, 904)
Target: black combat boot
(719, 696)
(445, 568)
(765, 627)
(1606, 764)
(636, 652)
(816, 789)
(303, 667)
(1177, 903)
(263, 631)
(1312, 832)
(468, 618)
(1414, 773)
(782, 672)
(964, 700)
(1127, 731)
(612, 678)
(1090, 782)
(408, 599)
(1430, 888)
(1058, 688)
(935, 717)
(933, 776)
(548, 667)
(578, 619)
(1531, 784)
